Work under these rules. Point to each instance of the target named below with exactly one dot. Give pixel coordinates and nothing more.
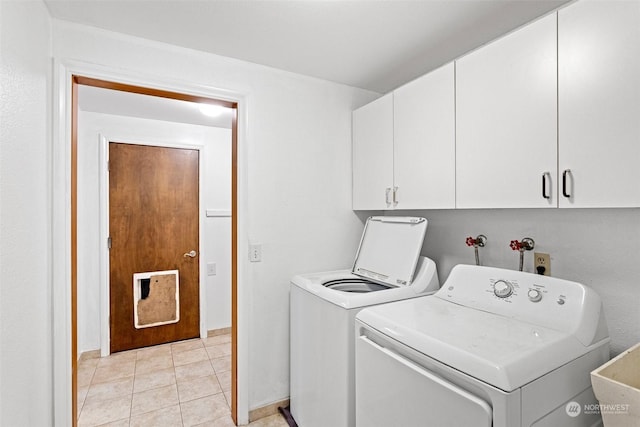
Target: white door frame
(60, 171)
(105, 308)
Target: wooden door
(153, 223)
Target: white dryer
(492, 347)
(388, 267)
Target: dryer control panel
(506, 289)
(541, 300)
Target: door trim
(63, 172)
(105, 327)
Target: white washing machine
(388, 267)
(492, 348)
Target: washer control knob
(502, 288)
(534, 295)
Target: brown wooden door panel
(153, 222)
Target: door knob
(191, 254)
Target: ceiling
(371, 44)
(98, 100)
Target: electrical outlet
(542, 263)
(255, 252)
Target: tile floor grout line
(133, 386)
(175, 374)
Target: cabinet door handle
(564, 183)
(395, 195)
(544, 185)
(386, 195)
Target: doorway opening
(78, 81)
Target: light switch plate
(211, 269)
(255, 252)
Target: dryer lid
(389, 249)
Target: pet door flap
(156, 298)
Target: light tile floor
(187, 383)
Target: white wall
(596, 247)
(297, 148)
(215, 191)
(25, 259)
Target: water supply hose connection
(526, 244)
(479, 241)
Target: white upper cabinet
(506, 121)
(546, 116)
(599, 103)
(372, 155)
(424, 141)
(404, 146)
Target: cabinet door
(599, 103)
(372, 141)
(424, 141)
(506, 121)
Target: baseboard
(267, 410)
(216, 332)
(93, 354)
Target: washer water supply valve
(526, 244)
(479, 241)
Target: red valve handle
(471, 241)
(515, 245)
